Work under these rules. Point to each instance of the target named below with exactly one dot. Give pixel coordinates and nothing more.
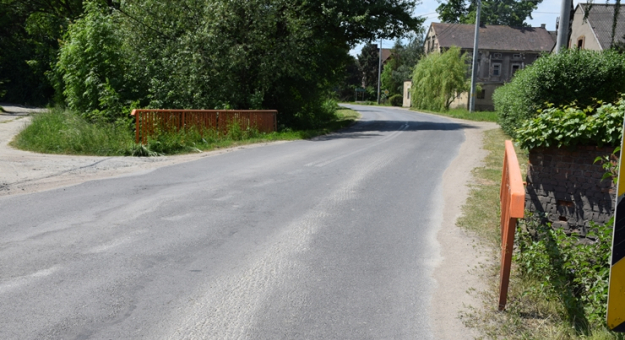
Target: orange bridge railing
(512, 198)
(148, 121)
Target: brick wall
(566, 185)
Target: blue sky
(546, 13)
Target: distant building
(503, 51)
(407, 86)
(595, 33)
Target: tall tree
(368, 63)
(494, 12)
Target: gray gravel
(333, 238)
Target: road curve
(330, 238)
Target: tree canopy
(494, 12)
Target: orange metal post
(512, 198)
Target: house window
(516, 56)
(580, 42)
(481, 94)
(515, 67)
(496, 69)
(496, 55)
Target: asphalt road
(332, 238)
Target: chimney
(543, 25)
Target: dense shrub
(574, 75)
(396, 100)
(570, 126)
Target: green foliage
(399, 66)
(494, 12)
(396, 100)
(30, 31)
(610, 164)
(580, 76)
(368, 63)
(570, 126)
(278, 54)
(571, 273)
(65, 132)
(351, 80)
(92, 65)
(438, 78)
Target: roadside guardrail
(148, 121)
(512, 199)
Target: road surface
(331, 238)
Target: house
(595, 33)
(503, 50)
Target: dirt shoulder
(457, 275)
(26, 172)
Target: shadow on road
(370, 129)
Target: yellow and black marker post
(616, 292)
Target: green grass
(527, 316)
(63, 132)
(479, 116)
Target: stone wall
(566, 185)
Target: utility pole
(563, 26)
(379, 70)
(475, 56)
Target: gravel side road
(348, 236)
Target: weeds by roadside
(62, 132)
(557, 286)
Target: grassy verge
(479, 116)
(63, 132)
(369, 103)
(539, 306)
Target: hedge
(579, 76)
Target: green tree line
(102, 58)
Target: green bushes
(571, 273)
(437, 79)
(574, 75)
(396, 100)
(570, 126)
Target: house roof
(386, 53)
(600, 18)
(493, 37)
